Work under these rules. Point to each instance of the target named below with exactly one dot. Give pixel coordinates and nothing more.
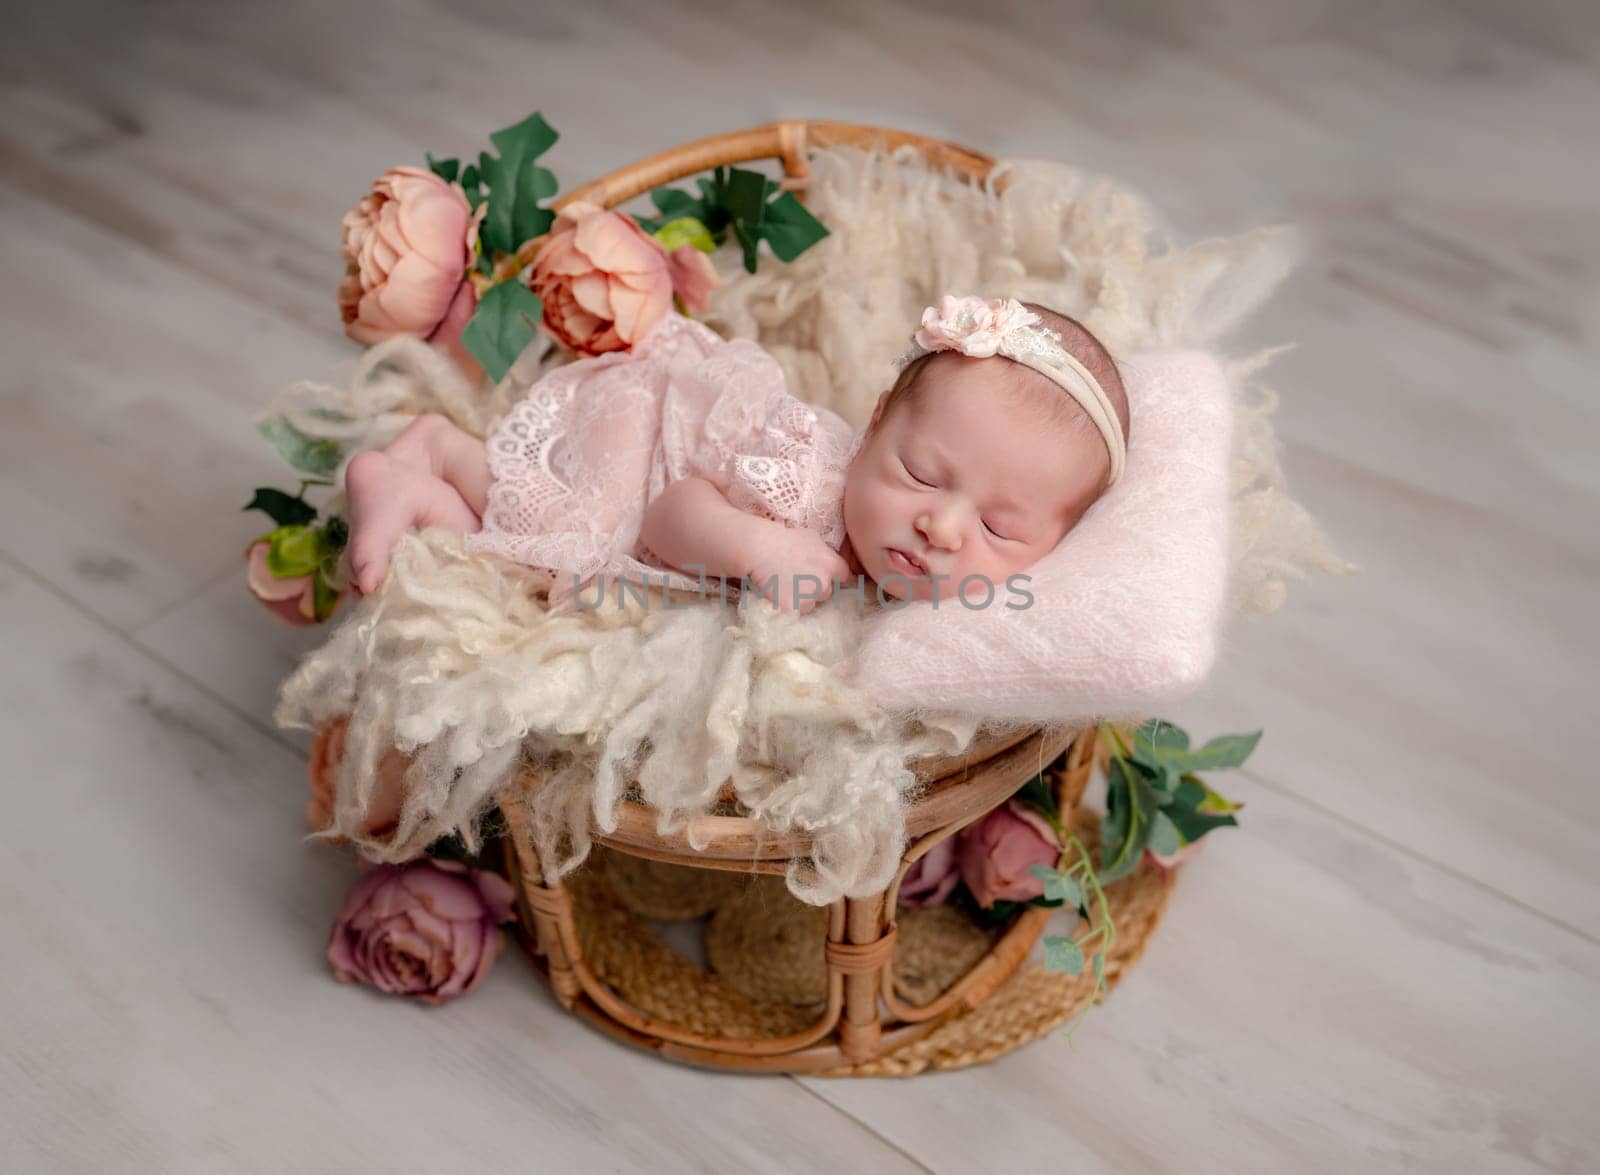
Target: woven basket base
(666, 892)
(768, 944)
(1033, 1001)
(937, 947)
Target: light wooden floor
(1394, 964)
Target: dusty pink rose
(994, 855)
(932, 877)
(974, 326)
(407, 249)
(292, 599)
(429, 929)
(605, 282)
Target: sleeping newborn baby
(688, 458)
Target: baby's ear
(877, 411)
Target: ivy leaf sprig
(1078, 885)
(1073, 882)
(1154, 799)
(740, 201)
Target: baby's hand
(797, 559)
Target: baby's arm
(693, 526)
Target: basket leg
(550, 906)
(860, 1029)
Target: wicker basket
(588, 935)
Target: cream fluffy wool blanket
(462, 664)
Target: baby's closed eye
(987, 525)
(913, 476)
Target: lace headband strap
(1003, 326)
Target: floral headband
(1003, 326)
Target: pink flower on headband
(974, 326)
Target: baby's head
(978, 466)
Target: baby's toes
(368, 561)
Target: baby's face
(966, 479)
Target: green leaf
(1156, 737)
(789, 228)
(528, 220)
(282, 508)
(502, 326)
(528, 139)
(1062, 954)
(685, 230)
(1224, 752)
(1115, 823)
(1164, 780)
(1164, 839)
(495, 231)
(472, 184)
(1192, 825)
(1190, 793)
(335, 535)
(741, 200)
(445, 169)
(1058, 886)
(1163, 746)
(748, 242)
(1125, 830)
(1210, 800)
(516, 184)
(745, 199)
(323, 597)
(317, 456)
(674, 204)
(293, 551)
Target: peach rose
(605, 282)
(932, 877)
(428, 928)
(407, 249)
(383, 812)
(995, 854)
(292, 599)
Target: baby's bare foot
(386, 498)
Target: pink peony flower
(971, 325)
(605, 282)
(427, 928)
(292, 599)
(932, 877)
(994, 855)
(407, 249)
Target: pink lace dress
(576, 463)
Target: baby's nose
(940, 530)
